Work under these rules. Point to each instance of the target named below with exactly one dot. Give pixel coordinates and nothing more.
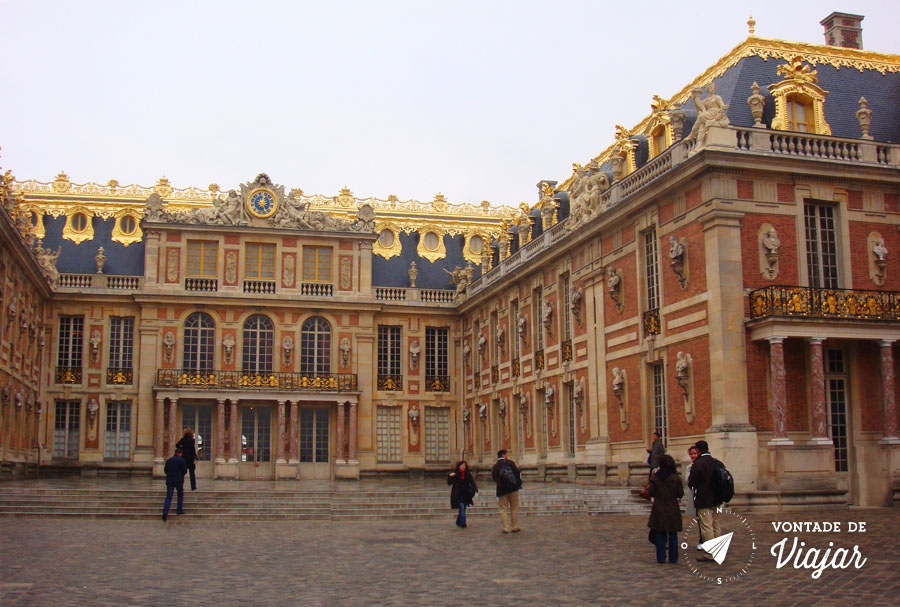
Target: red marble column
(888, 394)
(173, 425)
(159, 430)
(353, 432)
(279, 450)
(340, 456)
(295, 433)
(779, 390)
(235, 454)
(220, 430)
(817, 372)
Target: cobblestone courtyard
(563, 561)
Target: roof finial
(751, 25)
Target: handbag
(645, 492)
(651, 537)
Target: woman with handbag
(463, 490)
(189, 453)
(666, 488)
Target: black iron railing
(567, 350)
(119, 376)
(390, 383)
(239, 380)
(68, 375)
(811, 302)
(651, 322)
(437, 383)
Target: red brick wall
(693, 198)
(744, 189)
(757, 386)
(855, 200)
(696, 264)
(868, 390)
(788, 272)
(795, 365)
(785, 192)
(666, 213)
(860, 255)
(891, 203)
(698, 349)
(629, 291)
(633, 401)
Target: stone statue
(676, 119)
(47, 260)
(414, 350)
(501, 341)
(547, 316)
(614, 286)
(676, 259)
(710, 113)
(682, 376)
(523, 223)
(864, 115)
(287, 347)
(771, 245)
(467, 416)
(95, 345)
(521, 325)
(880, 250)
(345, 352)
(549, 393)
(756, 102)
(578, 392)
(482, 341)
(93, 407)
(229, 212)
(169, 344)
(618, 384)
(482, 411)
(575, 303)
(413, 273)
(100, 259)
(461, 278)
(467, 352)
(584, 197)
(681, 365)
(228, 344)
(153, 210)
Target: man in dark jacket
(175, 470)
(656, 451)
(703, 481)
(509, 481)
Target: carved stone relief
(683, 375)
(547, 316)
(346, 274)
(618, 388)
(877, 258)
(95, 346)
(231, 266)
(414, 350)
(345, 352)
(614, 287)
(169, 346)
(413, 414)
(287, 349)
(288, 271)
(228, 344)
(172, 265)
(575, 298)
(678, 259)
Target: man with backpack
(509, 481)
(712, 485)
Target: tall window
(315, 346)
(388, 434)
(121, 347)
(476, 336)
(514, 327)
(660, 417)
(495, 327)
(317, 264)
(258, 341)
(118, 430)
(821, 246)
(65, 428)
(437, 434)
(836, 392)
(389, 358)
(565, 312)
(199, 342)
(572, 418)
(260, 261)
(538, 318)
(313, 435)
(436, 352)
(202, 256)
(71, 341)
(799, 114)
(652, 267)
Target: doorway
(199, 417)
(256, 443)
(315, 442)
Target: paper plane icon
(718, 547)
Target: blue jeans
(168, 504)
(461, 518)
(661, 540)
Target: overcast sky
(478, 100)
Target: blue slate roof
(393, 272)
(79, 258)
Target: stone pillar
(779, 392)
(888, 394)
(159, 431)
(220, 431)
(279, 450)
(234, 454)
(173, 425)
(817, 375)
(340, 455)
(295, 434)
(351, 456)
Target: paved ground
(564, 561)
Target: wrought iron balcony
(810, 302)
(651, 322)
(515, 367)
(495, 375)
(239, 380)
(567, 350)
(539, 359)
(119, 376)
(476, 380)
(390, 383)
(68, 375)
(437, 383)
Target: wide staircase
(223, 501)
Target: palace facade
(724, 270)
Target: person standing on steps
(656, 451)
(189, 450)
(175, 470)
(509, 481)
(464, 489)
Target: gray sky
(478, 100)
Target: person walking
(175, 470)
(189, 452)
(509, 481)
(666, 488)
(702, 481)
(464, 489)
(656, 450)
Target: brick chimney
(843, 29)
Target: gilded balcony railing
(68, 375)
(651, 322)
(495, 375)
(515, 367)
(390, 383)
(476, 380)
(239, 380)
(539, 359)
(437, 383)
(119, 376)
(567, 350)
(810, 302)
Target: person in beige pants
(509, 481)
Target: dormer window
(799, 114)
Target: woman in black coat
(464, 489)
(189, 453)
(666, 488)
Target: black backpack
(723, 483)
(508, 478)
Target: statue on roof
(47, 261)
(461, 277)
(710, 113)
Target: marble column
(339, 456)
(351, 456)
(234, 454)
(279, 435)
(173, 425)
(295, 434)
(159, 430)
(779, 392)
(888, 393)
(817, 376)
(220, 431)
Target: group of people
(505, 475)
(666, 488)
(183, 462)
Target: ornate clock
(262, 203)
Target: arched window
(199, 342)
(315, 346)
(259, 337)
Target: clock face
(261, 203)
